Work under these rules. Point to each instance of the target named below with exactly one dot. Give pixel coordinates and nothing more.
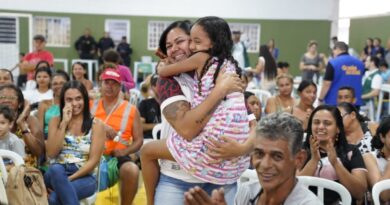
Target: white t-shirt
(34, 96)
(300, 195)
(167, 167)
(238, 54)
(12, 143)
(376, 82)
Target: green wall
(291, 36)
(362, 28)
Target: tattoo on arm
(171, 111)
(177, 109)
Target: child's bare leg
(150, 153)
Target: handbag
(25, 186)
(3, 194)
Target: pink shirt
(126, 77)
(35, 57)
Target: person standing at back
(86, 45)
(124, 51)
(104, 44)
(31, 60)
(341, 71)
(239, 50)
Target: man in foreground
(276, 157)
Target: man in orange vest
(124, 131)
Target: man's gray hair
(282, 126)
(341, 45)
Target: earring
(337, 137)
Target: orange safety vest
(121, 120)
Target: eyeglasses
(3, 97)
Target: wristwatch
(26, 131)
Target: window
(55, 29)
(9, 42)
(155, 29)
(118, 29)
(7, 30)
(250, 35)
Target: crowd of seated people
(213, 126)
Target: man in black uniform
(86, 45)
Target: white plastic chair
(15, 157)
(369, 109)
(263, 96)
(378, 188)
(322, 184)
(155, 130)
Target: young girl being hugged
(211, 44)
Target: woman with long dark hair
(48, 109)
(79, 72)
(43, 90)
(74, 147)
(266, 70)
(331, 157)
(353, 122)
(377, 161)
(307, 91)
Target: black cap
(39, 37)
(236, 32)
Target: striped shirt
(230, 119)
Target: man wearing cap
(124, 131)
(239, 50)
(39, 54)
(343, 70)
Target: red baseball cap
(111, 74)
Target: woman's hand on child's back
(227, 149)
(228, 83)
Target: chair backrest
(15, 157)
(378, 188)
(135, 96)
(155, 130)
(322, 184)
(263, 96)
